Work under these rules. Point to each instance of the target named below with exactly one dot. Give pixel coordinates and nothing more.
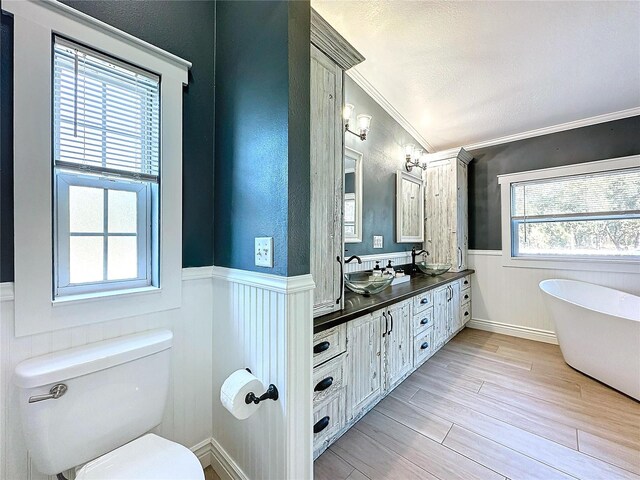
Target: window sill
(583, 264)
(97, 296)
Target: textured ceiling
(466, 72)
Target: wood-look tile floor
(489, 406)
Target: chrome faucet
(352, 258)
(414, 254)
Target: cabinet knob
(424, 321)
(321, 347)
(424, 300)
(321, 424)
(466, 314)
(323, 384)
(466, 296)
(424, 346)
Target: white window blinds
(106, 114)
(610, 194)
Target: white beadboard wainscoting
(263, 322)
(369, 261)
(188, 415)
(507, 299)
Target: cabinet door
(399, 346)
(440, 315)
(326, 183)
(440, 212)
(462, 223)
(454, 307)
(364, 350)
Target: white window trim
(35, 22)
(553, 262)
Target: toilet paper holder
(270, 394)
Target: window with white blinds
(589, 215)
(106, 160)
(106, 114)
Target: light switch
(264, 252)
(377, 241)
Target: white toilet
(112, 393)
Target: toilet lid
(148, 458)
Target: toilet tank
(116, 391)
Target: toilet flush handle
(56, 392)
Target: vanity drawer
(328, 419)
(465, 282)
(328, 378)
(422, 345)
(422, 301)
(465, 296)
(329, 343)
(465, 312)
(422, 320)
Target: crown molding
(585, 122)
(459, 152)
(328, 40)
(390, 109)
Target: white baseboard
(514, 330)
(211, 454)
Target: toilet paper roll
(235, 389)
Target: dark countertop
(358, 305)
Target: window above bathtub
(577, 217)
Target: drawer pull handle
(321, 347)
(323, 384)
(424, 321)
(321, 425)
(466, 314)
(466, 296)
(424, 346)
(424, 300)
(466, 282)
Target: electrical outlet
(377, 241)
(264, 252)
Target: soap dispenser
(377, 271)
(389, 268)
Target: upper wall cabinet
(330, 56)
(446, 208)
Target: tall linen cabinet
(446, 225)
(331, 55)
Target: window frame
(35, 24)
(626, 264)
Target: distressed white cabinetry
(446, 208)
(382, 349)
(330, 56)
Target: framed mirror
(409, 208)
(352, 196)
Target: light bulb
(347, 111)
(408, 150)
(364, 121)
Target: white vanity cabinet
(358, 362)
(330, 56)
(446, 209)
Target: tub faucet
(414, 254)
(352, 258)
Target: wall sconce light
(363, 121)
(414, 157)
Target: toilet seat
(149, 457)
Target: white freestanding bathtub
(598, 330)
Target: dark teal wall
(262, 133)
(383, 156)
(6, 149)
(186, 29)
(596, 142)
